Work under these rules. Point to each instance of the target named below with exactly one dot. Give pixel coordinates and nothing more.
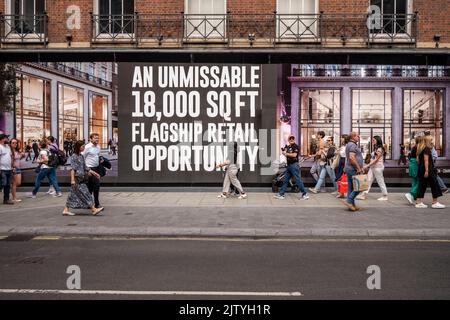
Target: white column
(54, 109)
(86, 115)
(447, 122)
(295, 107)
(346, 111)
(397, 133)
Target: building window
(372, 116)
(319, 111)
(423, 112)
(70, 101)
(28, 16)
(33, 115)
(116, 16)
(91, 71)
(394, 16)
(297, 19)
(205, 19)
(98, 118)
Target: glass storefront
(70, 101)
(98, 118)
(422, 112)
(319, 111)
(33, 115)
(372, 116)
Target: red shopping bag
(343, 183)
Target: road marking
(46, 238)
(153, 293)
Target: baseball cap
(3, 136)
(291, 137)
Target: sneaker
(97, 211)
(305, 196)
(409, 197)
(279, 197)
(17, 200)
(384, 198)
(31, 195)
(224, 196)
(444, 191)
(421, 205)
(8, 202)
(313, 190)
(58, 194)
(334, 193)
(438, 205)
(361, 196)
(350, 206)
(50, 192)
(243, 196)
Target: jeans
(323, 173)
(314, 169)
(6, 176)
(441, 183)
(292, 169)
(50, 173)
(351, 194)
(377, 174)
(94, 187)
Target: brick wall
(57, 20)
(159, 6)
(344, 6)
(434, 18)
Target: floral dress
(79, 196)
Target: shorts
(18, 171)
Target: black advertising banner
(177, 122)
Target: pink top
(17, 157)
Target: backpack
(331, 152)
(56, 158)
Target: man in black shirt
(291, 152)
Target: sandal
(68, 213)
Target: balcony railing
(63, 68)
(263, 30)
(24, 28)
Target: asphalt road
(225, 269)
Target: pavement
(196, 214)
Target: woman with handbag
(427, 174)
(79, 196)
(340, 163)
(376, 169)
(17, 155)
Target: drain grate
(19, 237)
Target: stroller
(280, 172)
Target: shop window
(372, 116)
(320, 111)
(70, 112)
(98, 118)
(422, 113)
(33, 115)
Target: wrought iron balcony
(114, 28)
(24, 28)
(261, 30)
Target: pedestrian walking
(6, 168)
(45, 170)
(376, 169)
(413, 172)
(402, 158)
(427, 174)
(291, 151)
(319, 160)
(79, 196)
(231, 173)
(341, 161)
(353, 167)
(330, 152)
(441, 183)
(35, 148)
(17, 155)
(28, 151)
(91, 155)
